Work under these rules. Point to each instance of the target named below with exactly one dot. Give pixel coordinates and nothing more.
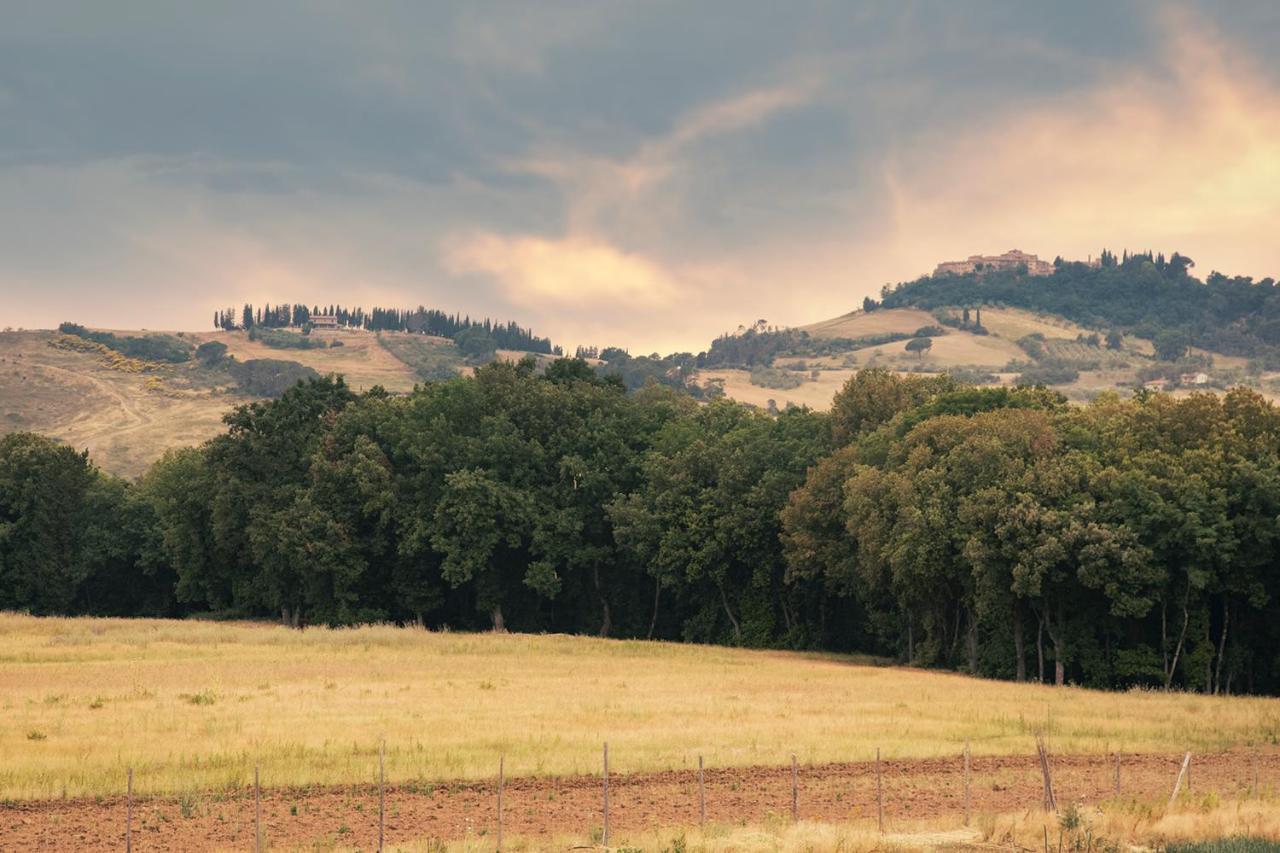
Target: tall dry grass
(194, 705)
(1111, 829)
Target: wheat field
(195, 705)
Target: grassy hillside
(197, 704)
(361, 357)
(997, 354)
(1143, 294)
(127, 411)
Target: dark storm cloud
(608, 171)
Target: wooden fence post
(702, 796)
(1188, 770)
(1255, 772)
(605, 833)
(968, 802)
(1050, 801)
(257, 809)
(382, 791)
(1177, 785)
(879, 794)
(501, 780)
(1117, 772)
(128, 814)
(795, 790)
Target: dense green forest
(421, 320)
(1148, 295)
(997, 531)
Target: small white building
(324, 321)
(1193, 379)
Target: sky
(638, 174)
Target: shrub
(1048, 374)
(277, 339)
(1033, 345)
(211, 353)
(269, 377)
(919, 346)
(165, 348)
(770, 377)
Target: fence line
(1181, 781)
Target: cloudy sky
(645, 174)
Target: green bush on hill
(771, 377)
(269, 377)
(277, 339)
(158, 347)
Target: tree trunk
(972, 642)
(911, 641)
(1182, 638)
(499, 624)
(1208, 662)
(1055, 637)
(1222, 646)
(297, 615)
(606, 620)
(1164, 640)
(1020, 662)
(657, 593)
(285, 619)
(737, 629)
(1040, 645)
(1059, 665)
(955, 637)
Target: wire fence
(1244, 766)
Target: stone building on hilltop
(1010, 260)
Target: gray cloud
(734, 158)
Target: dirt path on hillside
(347, 817)
(93, 424)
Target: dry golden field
(194, 705)
(954, 349)
(861, 324)
(814, 394)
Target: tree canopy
(998, 531)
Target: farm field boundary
(916, 793)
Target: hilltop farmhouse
(1010, 260)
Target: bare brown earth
(419, 812)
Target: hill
(1119, 325)
(1135, 321)
(127, 410)
(1141, 294)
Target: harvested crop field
(916, 793)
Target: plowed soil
(347, 817)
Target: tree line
(420, 320)
(1143, 293)
(997, 531)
